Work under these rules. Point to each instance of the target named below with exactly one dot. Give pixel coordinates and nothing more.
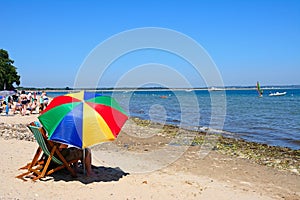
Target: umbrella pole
(83, 162)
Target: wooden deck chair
(38, 167)
(35, 160)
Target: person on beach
(15, 98)
(29, 98)
(72, 153)
(24, 102)
(17, 106)
(1, 106)
(41, 104)
(5, 107)
(45, 100)
(8, 102)
(32, 106)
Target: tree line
(8, 72)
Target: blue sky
(248, 40)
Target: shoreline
(281, 158)
(228, 171)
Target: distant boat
(277, 94)
(259, 90)
(215, 89)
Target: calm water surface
(270, 120)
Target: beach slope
(216, 176)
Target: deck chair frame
(38, 167)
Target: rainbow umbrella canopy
(83, 119)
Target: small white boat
(215, 89)
(277, 94)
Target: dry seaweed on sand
(149, 135)
(274, 156)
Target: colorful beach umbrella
(83, 119)
(7, 92)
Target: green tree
(8, 72)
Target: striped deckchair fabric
(41, 141)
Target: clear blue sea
(270, 120)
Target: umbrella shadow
(102, 174)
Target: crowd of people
(24, 102)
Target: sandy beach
(130, 169)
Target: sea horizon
(233, 87)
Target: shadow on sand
(102, 174)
